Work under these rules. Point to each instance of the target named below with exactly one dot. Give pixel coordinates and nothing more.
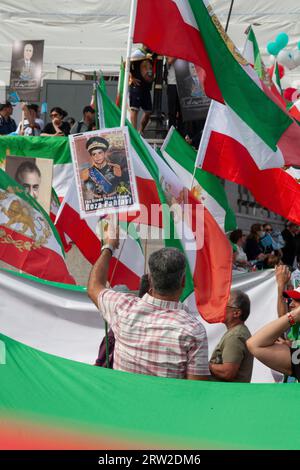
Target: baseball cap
(292, 294)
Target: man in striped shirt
(154, 335)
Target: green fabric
(146, 410)
(112, 118)
(186, 156)
(55, 148)
(239, 91)
(232, 348)
(258, 64)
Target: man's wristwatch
(108, 247)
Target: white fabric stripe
(248, 52)
(184, 232)
(62, 177)
(186, 12)
(224, 120)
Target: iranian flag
(128, 263)
(28, 238)
(206, 187)
(252, 54)
(190, 30)
(207, 250)
(231, 150)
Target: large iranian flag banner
(190, 30)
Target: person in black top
(268, 346)
(140, 84)
(57, 127)
(290, 249)
(253, 248)
(7, 124)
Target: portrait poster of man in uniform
(103, 167)
(26, 69)
(194, 103)
(34, 175)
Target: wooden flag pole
(229, 15)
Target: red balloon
(280, 68)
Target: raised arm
(264, 347)
(283, 276)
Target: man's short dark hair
(33, 107)
(235, 235)
(5, 105)
(26, 167)
(242, 302)
(88, 109)
(167, 269)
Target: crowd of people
(265, 248)
(32, 123)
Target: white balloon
(297, 57)
(286, 58)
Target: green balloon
(272, 48)
(282, 40)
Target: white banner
(66, 323)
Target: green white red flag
(28, 238)
(231, 150)
(205, 186)
(190, 30)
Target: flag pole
(128, 56)
(229, 15)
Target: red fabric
(213, 270)
(274, 188)
(89, 244)
(160, 26)
(40, 262)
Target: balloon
(297, 57)
(280, 68)
(286, 58)
(288, 93)
(282, 40)
(299, 45)
(272, 48)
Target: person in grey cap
(102, 177)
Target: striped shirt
(155, 337)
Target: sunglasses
(54, 115)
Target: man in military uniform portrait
(103, 177)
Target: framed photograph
(35, 175)
(26, 69)
(106, 182)
(194, 103)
